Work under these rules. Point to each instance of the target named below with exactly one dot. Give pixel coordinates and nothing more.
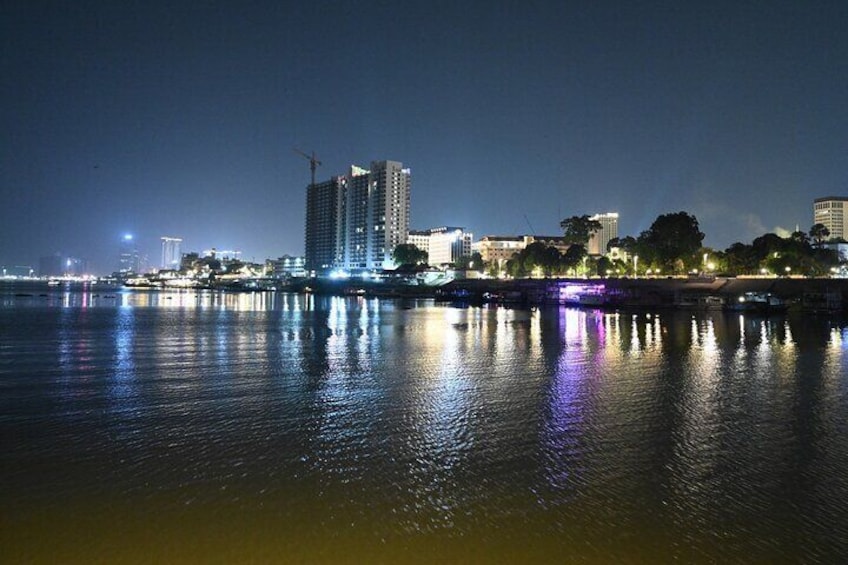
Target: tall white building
(355, 221)
(171, 252)
(609, 230)
(832, 211)
(443, 245)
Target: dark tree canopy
(474, 262)
(578, 229)
(819, 233)
(673, 239)
(408, 254)
(546, 259)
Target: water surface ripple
(206, 427)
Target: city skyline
(182, 120)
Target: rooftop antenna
(313, 162)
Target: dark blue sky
(161, 119)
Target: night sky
(180, 119)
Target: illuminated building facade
(609, 230)
(497, 250)
(443, 245)
(286, 266)
(832, 211)
(420, 239)
(354, 222)
(129, 260)
(171, 252)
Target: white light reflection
(562, 434)
(123, 370)
(698, 438)
(837, 343)
(442, 421)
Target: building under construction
(354, 221)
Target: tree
(819, 233)
(741, 259)
(474, 262)
(573, 257)
(602, 266)
(673, 240)
(408, 254)
(579, 229)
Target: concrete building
(444, 245)
(609, 230)
(286, 266)
(497, 250)
(354, 222)
(324, 224)
(420, 239)
(171, 252)
(832, 211)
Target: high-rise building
(832, 211)
(324, 224)
(171, 252)
(609, 230)
(129, 260)
(354, 222)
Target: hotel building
(832, 211)
(443, 245)
(609, 230)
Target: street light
(635, 265)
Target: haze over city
(176, 119)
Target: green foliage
(781, 256)
(819, 233)
(603, 265)
(474, 262)
(672, 242)
(408, 254)
(578, 229)
(539, 259)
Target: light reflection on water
(261, 426)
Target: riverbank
(694, 293)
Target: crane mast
(313, 162)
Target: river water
(146, 427)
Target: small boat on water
(763, 302)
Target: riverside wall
(815, 294)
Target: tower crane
(313, 162)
